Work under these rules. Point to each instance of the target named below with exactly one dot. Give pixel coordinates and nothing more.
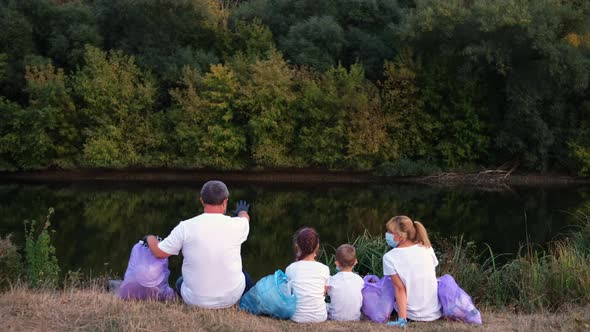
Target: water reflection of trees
(97, 225)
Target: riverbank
(484, 178)
(97, 310)
(534, 292)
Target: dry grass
(22, 309)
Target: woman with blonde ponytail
(411, 264)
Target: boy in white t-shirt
(344, 288)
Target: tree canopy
(397, 87)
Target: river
(96, 223)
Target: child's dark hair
(307, 241)
(346, 255)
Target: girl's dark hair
(307, 240)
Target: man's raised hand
(241, 206)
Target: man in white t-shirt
(212, 274)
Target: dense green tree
(24, 142)
(316, 42)
(530, 77)
(248, 40)
(322, 34)
(164, 35)
(321, 136)
(47, 91)
(114, 99)
(33, 30)
(16, 41)
(458, 136)
(3, 66)
(579, 145)
(409, 126)
(281, 15)
(71, 27)
(295, 83)
(369, 29)
(207, 132)
(367, 144)
(431, 114)
(267, 95)
(329, 107)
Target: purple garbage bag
(146, 277)
(378, 298)
(455, 303)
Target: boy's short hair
(346, 255)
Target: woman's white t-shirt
(415, 265)
(308, 279)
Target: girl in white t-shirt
(308, 278)
(411, 264)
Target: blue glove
(241, 206)
(400, 322)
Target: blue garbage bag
(272, 296)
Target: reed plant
(548, 279)
(369, 252)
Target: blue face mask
(337, 269)
(390, 241)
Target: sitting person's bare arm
(153, 244)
